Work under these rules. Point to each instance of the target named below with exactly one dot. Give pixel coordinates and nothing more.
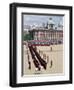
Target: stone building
(49, 33)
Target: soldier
(29, 65)
(51, 49)
(51, 63)
(29, 61)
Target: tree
(27, 37)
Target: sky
(39, 19)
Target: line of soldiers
(37, 58)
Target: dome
(50, 24)
(50, 21)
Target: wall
(4, 43)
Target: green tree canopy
(27, 37)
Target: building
(50, 33)
(47, 34)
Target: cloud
(39, 19)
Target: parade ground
(52, 54)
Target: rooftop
(54, 30)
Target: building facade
(47, 34)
